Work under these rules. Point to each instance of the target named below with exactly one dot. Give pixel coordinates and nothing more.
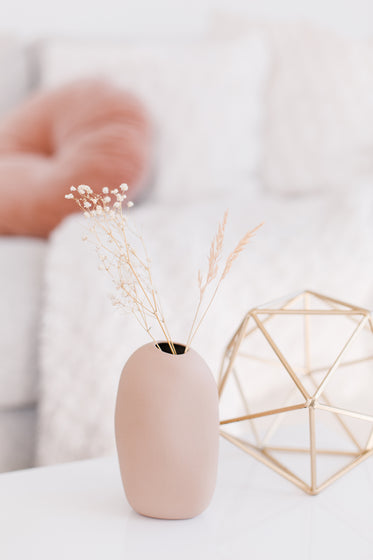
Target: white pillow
(319, 132)
(15, 73)
(206, 101)
(319, 125)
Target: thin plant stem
(193, 334)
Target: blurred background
(148, 19)
(263, 107)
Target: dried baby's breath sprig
(122, 254)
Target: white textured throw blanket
(319, 242)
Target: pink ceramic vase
(167, 432)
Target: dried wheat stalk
(212, 272)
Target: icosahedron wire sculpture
(296, 388)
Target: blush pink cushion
(88, 132)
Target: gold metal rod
(268, 455)
(339, 358)
(311, 412)
(278, 419)
(370, 441)
(309, 312)
(232, 341)
(338, 418)
(256, 326)
(246, 405)
(267, 361)
(267, 461)
(222, 364)
(281, 357)
(307, 353)
(343, 364)
(333, 300)
(233, 355)
(275, 302)
(319, 369)
(345, 469)
(336, 410)
(349, 317)
(265, 413)
(279, 464)
(285, 306)
(306, 450)
(292, 300)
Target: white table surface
(78, 511)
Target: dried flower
(213, 268)
(128, 269)
(117, 246)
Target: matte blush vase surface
(167, 432)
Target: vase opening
(165, 347)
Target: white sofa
(22, 269)
(292, 151)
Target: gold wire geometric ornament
(296, 388)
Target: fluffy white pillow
(206, 101)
